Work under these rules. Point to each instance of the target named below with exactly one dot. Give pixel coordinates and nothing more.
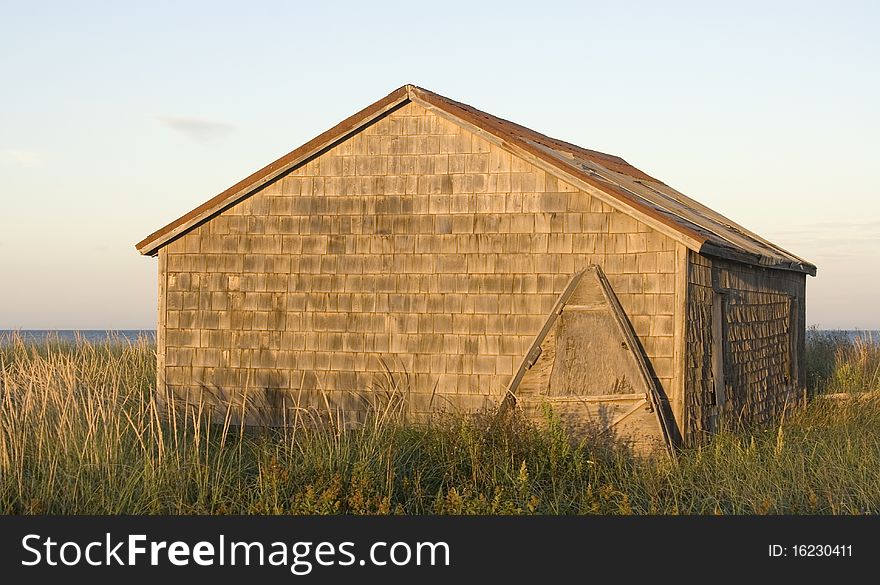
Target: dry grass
(81, 433)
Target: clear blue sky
(117, 117)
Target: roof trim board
(711, 213)
(608, 177)
(607, 192)
(151, 244)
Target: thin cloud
(21, 157)
(835, 231)
(833, 239)
(198, 129)
(863, 226)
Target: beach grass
(81, 433)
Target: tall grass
(838, 364)
(80, 432)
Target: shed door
(587, 365)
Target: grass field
(80, 434)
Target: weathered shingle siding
(414, 243)
(761, 339)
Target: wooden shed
(474, 259)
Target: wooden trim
(594, 398)
(793, 342)
(581, 308)
(802, 333)
(634, 408)
(609, 193)
(718, 218)
(679, 351)
(160, 328)
(712, 249)
(718, 343)
(534, 352)
(352, 124)
(629, 334)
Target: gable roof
(608, 177)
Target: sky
(118, 117)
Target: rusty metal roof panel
(720, 235)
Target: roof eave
(711, 249)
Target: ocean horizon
(72, 335)
(132, 335)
